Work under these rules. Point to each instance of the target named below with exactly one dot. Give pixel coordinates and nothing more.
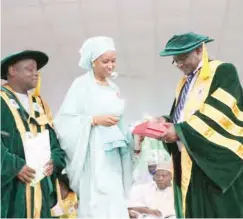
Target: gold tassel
(206, 70)
(37, 89)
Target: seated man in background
(154, 199)
(150, 152)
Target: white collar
(199, 66)
(22, 95)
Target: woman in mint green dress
(91, 131)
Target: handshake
(157, 128)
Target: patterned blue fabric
(182, 99)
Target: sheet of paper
(37, 154)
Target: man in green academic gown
(205, 132)
(24, 114)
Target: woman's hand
(132, 214)
(105, 120)
(155, 213)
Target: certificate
(37, 153)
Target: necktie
(182, 99)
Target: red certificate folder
(151, 129)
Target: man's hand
(49, 168)
(26, 174)
(156, 213)
(159, 119)
(169, 136)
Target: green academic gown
(209, 167)
(13, 191)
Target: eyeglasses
(180, 60)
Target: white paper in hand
(37, 154)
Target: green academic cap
(40, 58)
(184, 43)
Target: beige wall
(140, 29)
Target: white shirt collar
(199, 66)
(21, 95)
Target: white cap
(165, 165)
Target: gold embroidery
(201, 127)
(228, 100)
(222, 120)
(70, 204)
